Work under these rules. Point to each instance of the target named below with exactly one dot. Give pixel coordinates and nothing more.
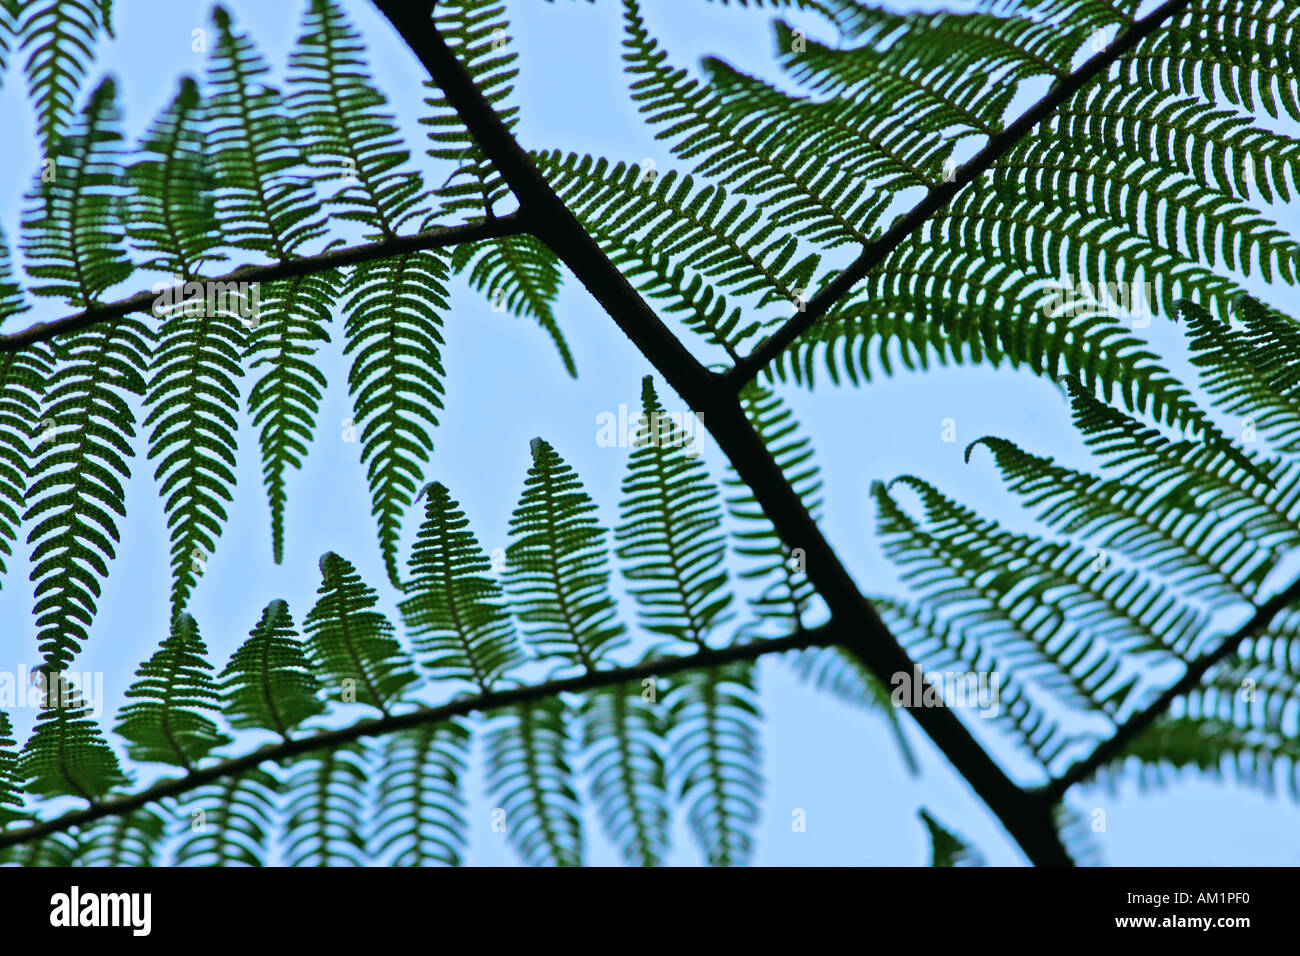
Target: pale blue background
(505, 384)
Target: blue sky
(505, 385)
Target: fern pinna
(878, 206)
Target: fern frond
(193, 402)
(230, 822)
(23, 377)
(268, 682)
(340, 117)
(174, 685)
(478, 32)
(132, 839)
(172, 203)
(263, 204)
(1083, 624)
(11, 791)
(715, 758)
(1191, 547)
(520, 274)
(327, 806)
(454, 609)
(72, 233)
(76, 488)
(392, 329)
(351, 644)
(799, 189)
(59, 37)
(67, 753)
(530, 778)
(937, 646)
(291, 323)
(670, 532)
(420, 801)
(700, 226)
(622, 734)
(557, 566)
(1250, 372)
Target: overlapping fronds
(230, 823)
(327, 807)
(419, 816)
(59, 38)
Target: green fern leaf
(351, 644)
(714, 758)
(268, 683)
(59, 38)
(230, 822)
(11, 794)
(420, 801)
(72, 233)
(454, 609)
(165, 726)
(327, 807)
(173, 194)
(132, 839)
(670, 532)
(393, 327)
(530, 779)
(622, 734)
(557, 566)
(252, 150)
(67, 753)
(76, 488)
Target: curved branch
(379, 726)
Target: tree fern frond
(262, 204)
(670, 532)
(67, 753)
(193, 402)
(76, 488)
(174, 685)
(787, 593)
(715, 758)
(520, 274)
(268, 682)
(392, 330)
(420, 800)
(478, 32)
(937, 646)
(352, 645)
(72, 233)
(11, 791)
(172, 203)
(23, 377)
(340, 117)
(557, 566)
(699, 226)
(622, 734)
(327, 807)
(59, 37)
(529, 776)
(132, 839)
(230, 822)
(1191, 547)
(454, 609)
(291, 323)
